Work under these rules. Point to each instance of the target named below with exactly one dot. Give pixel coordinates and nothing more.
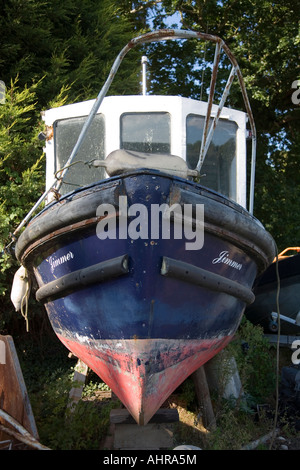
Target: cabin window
(146, 132)
(66, 133)
(219, 167)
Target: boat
(145, 252)
(277, 295)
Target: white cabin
(151, 124)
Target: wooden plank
(14, 398)
(203, 395)
(157, 434)
(150, 437)
(80, 373)
(163, 415)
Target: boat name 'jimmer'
(224, 258)
(54, 262)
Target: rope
(65, 167)
(25, 301)
(274, 431)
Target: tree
(69, 43)
(21, 172)
(51, 53)
(264, 36)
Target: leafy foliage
(21, 153)
(69, 43)
(51, 53)
(255, 361)
(21, 166)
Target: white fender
(20, 289)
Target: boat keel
(143, 372)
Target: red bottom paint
(143, 373)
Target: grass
(235, 429)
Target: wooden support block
(153, 436)
(157, 434)
(80, 373)
(203, 395)
(163, 415)
(14, 398)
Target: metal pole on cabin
(144, 64)
(216, 118)
(210, 102)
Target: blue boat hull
(144, 313)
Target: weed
(256, 361)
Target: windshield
(219, 167)
(146, 132)
(66, 132)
